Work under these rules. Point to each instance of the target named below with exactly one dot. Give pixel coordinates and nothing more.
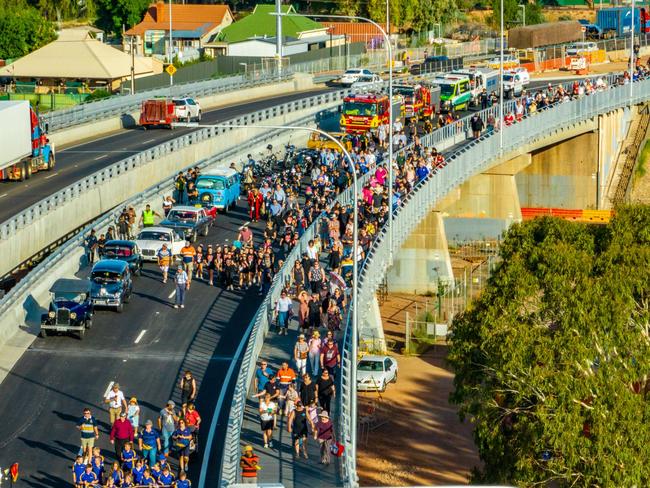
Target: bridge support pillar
(423, 260)
(371, 330)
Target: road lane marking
(140, 335)
(48, 177)
(3, 195)
(148, 141)
(171, 295)
(100, 157)
(108, 388)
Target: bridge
(223, 333)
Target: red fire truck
(420, 101)
(367, 111)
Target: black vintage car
(71, 309)
(111, 285)
(127, 251)
(190, 222)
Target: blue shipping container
(620, 19)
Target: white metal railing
(471, 160)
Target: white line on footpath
(108, 388)
(140, 335)
(171, 295)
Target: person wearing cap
(116, 402)
(324, 434)
(297, 425)
(182, 281)
(133, 414)
(167, 424)
(250, 465)
(300, 353)
(121, 433)
(149, 443)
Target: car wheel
(81, 334)
(394, 380)
(28, 170)
(199, 117)
(127, 298)
(138, 270)
(205, 231)
(120, 308)
(50, 163)
(42, 333)
(89, 323)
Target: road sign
(171, 69)
(583, 29)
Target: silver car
(375, 372)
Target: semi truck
(619, 19)
(23, 139)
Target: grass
(641, 166)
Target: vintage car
(111, 285)
(219, 188)
(151, 239)
(71, 309)
(190, 222)
(127, 251)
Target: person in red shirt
(255, 201)
(509, 119)
(121, 433)
(192, 417)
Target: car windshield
(508, 77)
(118, 251)
(358, 108)
(353, 72)
(210, 184)
(105, 277)
(149, 235)
(407, 91)
(366, 365)
(69, 297)
(182, 215)
(191, 101)
(447, 89)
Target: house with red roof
(192, 25)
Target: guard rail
(465, 163)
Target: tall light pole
(523, 14)
(390, 111)
(171, 44)
(632, 63)
(501, 125)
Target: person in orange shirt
(187, 255)
(286, 376)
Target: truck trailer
(619, 19)
(23, 139)
(546, 34)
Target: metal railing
(469, 161)
(119, 105)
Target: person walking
(164, 261)
(188, 255)
(121, 433)
(167, 424)
(307, 391)
(325, 390)
(116, 402)
(300, 352)
(182, 284)
(149, 443)
(476, 122)
(324, 434)
(330, 358)
(147, 216)
(133, 414)
(297, 425)
(250, 465)
(87, 425)
(267, 409)
(188, 387)
(182, 437)
(283, 310)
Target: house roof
(191, 19)
(356, 31)
(76, 56)
(261, 23)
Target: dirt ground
(411, 435)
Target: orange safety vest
(286, 376)
(249, 466)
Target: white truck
(24, 143)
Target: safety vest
(249, 466)
(147, 217)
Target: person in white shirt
(116, 402)
(282, 310)
(268, 409)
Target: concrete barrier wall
(85, 132)
(83, 205)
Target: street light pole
(523, 14)
(501, 125)
(632, 63)
(171, 44)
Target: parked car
(352, 75)
(188, 221)
(579, 48)
(70, 310)
(375, 372)
(111, 285)
(127, 251)
(523, 73)
(509, 62)
(368, 82)
(151, 239)
(219, 188)
(187, 109)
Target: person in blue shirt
(98, 468)
(128, 481)
(182, 437)
(147, 479)
(138, 471)
(78, 468)
(155, 471)
(88, 478)
(149, 443)
(262, 375)
(128, 457)
(166, 478)
(421, 171)
(116, 474)
(162, 461)
(182, 481)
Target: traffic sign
(171, 69)
(583, 28)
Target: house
(76, 61)
(255, 34)
(362, 32)
(192, 25)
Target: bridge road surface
(76, 162)
(43, 396)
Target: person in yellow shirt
(188, 253)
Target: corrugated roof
(261, 23)
(72, 57)
(185, 17)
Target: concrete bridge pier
(371, 330)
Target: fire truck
(420, 101)
(367, 111)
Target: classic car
(127, 251)
(111, 284)
(151, 239)
(70, 310)
(188, 221)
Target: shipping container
(546, 34)
(619, 19)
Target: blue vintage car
(189, 222)
(71, 309)
(111, 284)
(219, 188)
(127, 251)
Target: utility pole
(278, 35)
(171, 44)
(132, 68)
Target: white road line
(244, 225)
(171, 295)
(108, 388)
(140, 335)
(48, 177)
(3, 195)
(100, 157)
(148, 141)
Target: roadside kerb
(37, 227)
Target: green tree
(512, 13)
(22, 30)
(114, 14)
(552, 361)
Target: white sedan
(151, 239)
(375, 372)
(352, 75)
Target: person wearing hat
(300, 353)
(182, 284)
(324, 434)
(133, 414)
(167, 424)
(297, 426)
(249, 464)
(121, 433)
(149, 443)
